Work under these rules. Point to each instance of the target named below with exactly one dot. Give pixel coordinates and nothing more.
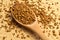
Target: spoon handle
(38, 30)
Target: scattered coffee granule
(24, 0)
(55, 24)
(44, 31)
(57, 27)
(8, 30)
(0, 4)
(11, 0)
(9, 22)
(57, 37)
(13, 34)
(7, 16)
(12, 27)
(22, 13)
(0, 10)
(54, 33)
(4, 38)
(51, 26)
(21, 33)
(59, 19)
(28, 36)
(1, 16)
(15, 31)
(49, 34)
(59, 33)
(11, 39)
(17, 36)
(22, 37)
(49, 8)
(56, 3)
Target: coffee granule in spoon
(22, 13)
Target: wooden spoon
(33, 26)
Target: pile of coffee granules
(22, 13)
(40, 13)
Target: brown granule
(57, 27)
(4, 38)
(22, 13)
(49, 34)
(59, 19)
(8, 30)
(13, 34)
(1, 16)
(59, 32)
(15, 31)
(44, 31)
(24, 0)
(54, 33)
(17, 36)
(28, 36)
(11, 39)
(0, 10)
(51, 26)
(22, 37)
(55, 24)
(7, 16)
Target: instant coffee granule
(22, 13)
